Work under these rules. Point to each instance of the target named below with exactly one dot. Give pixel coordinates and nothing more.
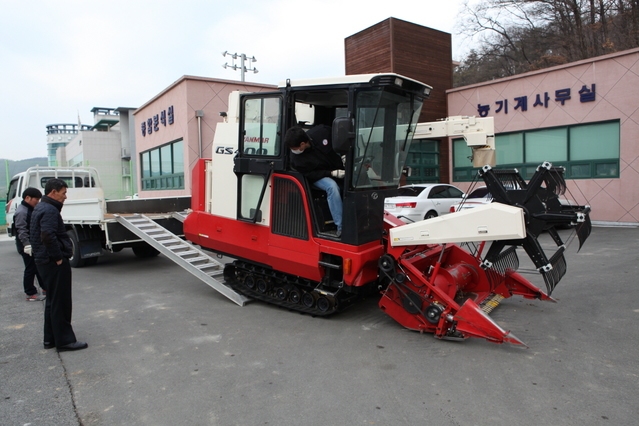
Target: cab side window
(261, 126)
(13, 190)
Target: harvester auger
(436, 286)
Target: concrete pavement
(165, 349)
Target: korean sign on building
(152, 124)
(520, 103)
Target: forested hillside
(10, 168)
(516, 36)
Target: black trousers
(30, 273)
(58, 305)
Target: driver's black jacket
(318, 160)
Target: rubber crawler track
(287, 291)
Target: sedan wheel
(431, 214)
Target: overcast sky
(62, 58)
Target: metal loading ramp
(181, 252)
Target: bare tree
(522, 35)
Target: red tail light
(452, 209)
(407, 205)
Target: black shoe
(75, 346)
(49, 345)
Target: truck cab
(85, 197)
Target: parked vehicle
(89, 218)
(423, 201)
(476, 197)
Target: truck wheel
(75, 261)
(431, 214)
(145, 251)
(91, 261)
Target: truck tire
(91, 261)
(145, 250)
(75, 261)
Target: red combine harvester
(248, 203)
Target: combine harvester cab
(436, 286)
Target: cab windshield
(385, 124)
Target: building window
(163, 167)
(423, 159)
(77, 161)
(587, 151)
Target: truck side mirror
(342, 134)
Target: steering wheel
(358, 172)
(364, 159)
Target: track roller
(308, 300)
(323, 304)
(249, 281)
(295, 296)
(281, 293)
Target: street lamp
(242, 67)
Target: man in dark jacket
(52, 248)
(21, 222)
(313, 156)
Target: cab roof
(348, 79)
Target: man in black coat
(22, 224)
(314, 157)
(51, 249)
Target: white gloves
(27, 250)
(339, 174)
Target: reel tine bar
(507, 261)
(553, 275)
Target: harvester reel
(539, 199)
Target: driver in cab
(313, 156)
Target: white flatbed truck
(92, 221)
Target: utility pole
(242, 67)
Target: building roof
(549, 69)
(205, 79)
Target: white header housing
(490, 222)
